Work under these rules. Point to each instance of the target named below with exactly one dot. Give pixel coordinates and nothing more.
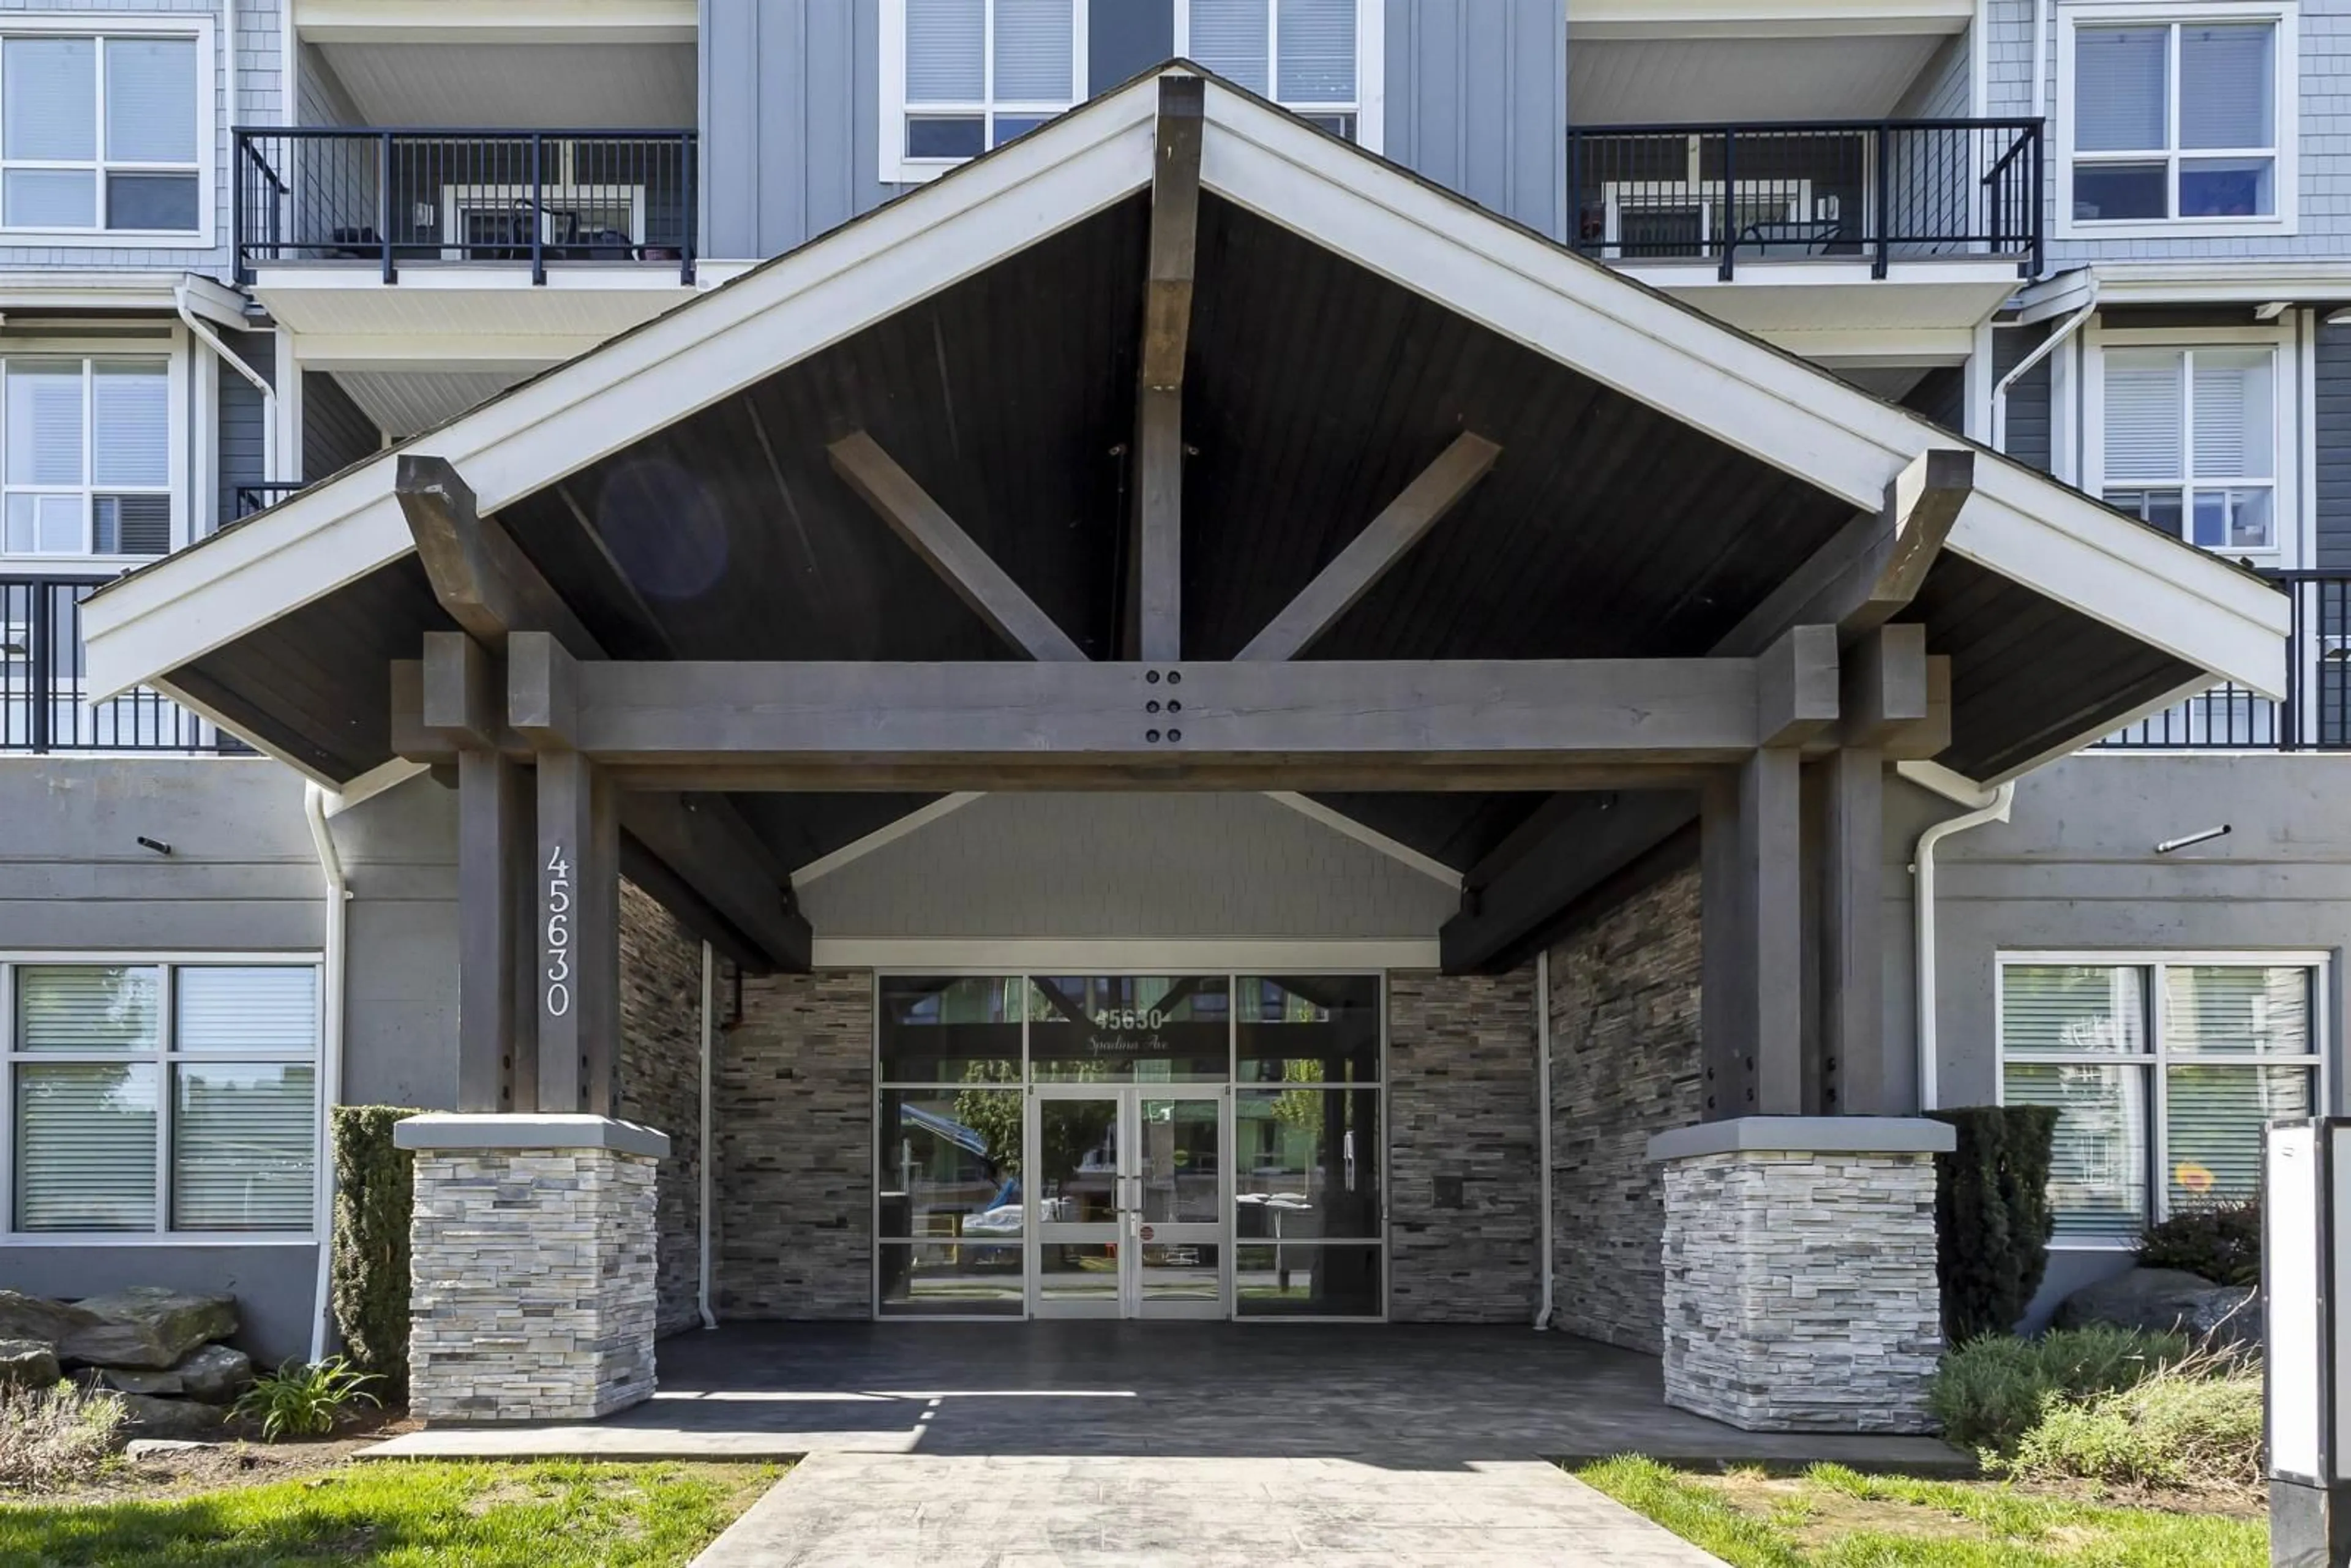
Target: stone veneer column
(533, 1259)
(1800, 1271)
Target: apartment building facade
(2104, 238)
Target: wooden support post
(1153, 626)
(578, 900)
(1851, 939)
(489, 909)
(1751, 954)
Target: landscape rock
(148, 1326)
(215, 1374)
(155, 1417)
(2170, 1300)
(27, 1362)
(149, 1448)
(37, 1317)
(130, 1380)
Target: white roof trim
(1793, 415)
(889, 832)
(2235, 280)
(1370, 838)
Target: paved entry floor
(924, 1510)
(1415, 1397)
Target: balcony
(41, 706)
(461, 250)
(2316, 712)
(1896, 233)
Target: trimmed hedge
(375, 1189)
(1992, 1220)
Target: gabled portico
(1174, 448)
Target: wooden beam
(1507, 916)
(1796, 686)
(704, 839)
(1873, 567)
(1883, 685)
(478, 573)
(1152, 627)
(1074, 717)
(460, 695)
(948, 550)
(1852, 1041)
(1303, 774)
(1751, 938)
(1367, 557)
(489, 819)
(542, 695)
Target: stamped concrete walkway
(921, 1511)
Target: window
(2164, 1073)
(162, 1098)
(1308, 56)
(85, 456)
(103, 133)
(2177, 119)
(2189, 442)
(963, 76)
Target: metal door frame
(1124, 1232)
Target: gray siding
(1126, 38)
(1941, 90)
(2331, 424)
(1118, 865)
(1941, 395)
(2028, 400)
(1475, 94)
(243, 421)
(335, 433)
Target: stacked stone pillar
(1800, 1288)
(533, 1258)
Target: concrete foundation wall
(1464, 1204)
(1624, 1065)
(660, 1085)
(794, 1105)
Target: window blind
(242, 1143)
(2144, 433)
(1035, 51)
(2213, 1118)
(85, 1008)
(1232, 39)
(150, 101)
(2072, 1007)
(2120, 88)
(2227, 87)
(2097, 1169)
(130, 415)
(44, 432)
(229, 1009)
(946, 42)
(1317, 45)
(2234, 429)
(131, 524)
(2236, 1010)
(86, 1147)
(48, 98)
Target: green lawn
(1830, 1517)
(402, 1512)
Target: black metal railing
(41, 683)
(1879, 190)
(2316, 712)
(523, 198)
(252, 498)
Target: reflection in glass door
(1130, 1195)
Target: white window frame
(166, 1055)
(1370, 103)
(102, 26)
(179, 381)
(896, 166)
(2294, 529)
(2157, 1058)
(2074, 14)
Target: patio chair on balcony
(1786, 238)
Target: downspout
(702, 1203)
(203, 333)
(1542, 1124)
(1985, 806)
(315, 798)
(2066, 330)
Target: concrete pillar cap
(1806, 1135)
(527, 1129)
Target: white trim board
(1792, 416)
(1370, 838)
(887, 833)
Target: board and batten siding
(2331, 423)
(2027, 429)
(1475, 95)
(244, 422)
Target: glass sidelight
(1130, 1202)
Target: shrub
(2221, 1242)
(374, 1192)
(1992, 1220)
(52, 1435)
(2195, 1423)
(299, 1401)
(1990, 1393)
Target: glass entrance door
(1130, 1201)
